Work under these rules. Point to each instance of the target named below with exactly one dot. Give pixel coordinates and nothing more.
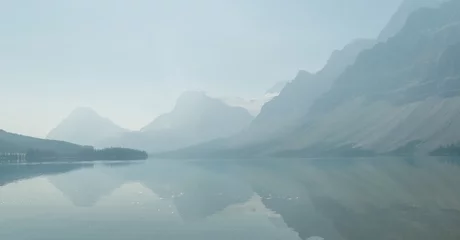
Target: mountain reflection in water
(380, 198)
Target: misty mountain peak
(302, 74)
(86, 127)
(193, 107)
(192, 97)
(254, 105)
(195, 102)
(196, 118)
(84, 112)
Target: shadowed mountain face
(13, 173)
(84, 126)
(196, 118)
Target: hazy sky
(130, 59)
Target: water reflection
(381, 198)
(16, 172)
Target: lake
(343, 199)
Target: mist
(130, 60)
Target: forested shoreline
(86, 154)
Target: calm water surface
(344, 199)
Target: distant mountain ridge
(85, 127)
(254, 105)
(196, 118)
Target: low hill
(11, 142)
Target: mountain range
(394, 95)
(402, 91)
(196, 118)
(254, 105)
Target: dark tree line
(87, 154)
(11, 156)
(449, 150)
(112, 154)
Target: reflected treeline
(86, 154)
(15, 172)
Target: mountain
(277, 88)
(401, 96)
(288, 108)
(398, 20)
(196, 112)
(287, 111)
(255, 105)
(85, 127)
(196, 118)
(397, 97)
(10, 142)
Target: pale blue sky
(129, 60)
